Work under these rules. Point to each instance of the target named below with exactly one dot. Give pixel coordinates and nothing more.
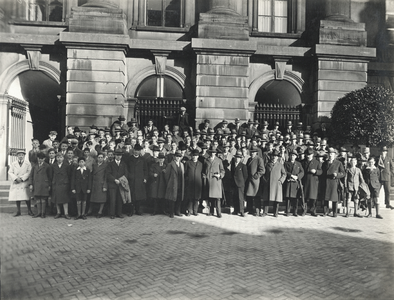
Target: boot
(377, 212)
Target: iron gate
(277, 113)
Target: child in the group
(81, 186)
(353, 179)
(40, 186)
(371, 176)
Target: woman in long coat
(333, 171)
(313, 170)
(157, 188)
(61, 187)
(99, 184)
(273, 179)
(175, 179)
(212, 174)
(255, 166)
(19, 173)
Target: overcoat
(292, 187)
(256, 169)
(332, 185)
(157, 188)
(61, 183)
(371, 177)
(138, 172)
(213, 187)
(99, 182)
(19, 191)
(113, 171)
(41, 180)
(193, 180)
(171, 176)
(310, 180)
(273, 179)
(386, 168)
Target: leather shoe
(357, 215)
(112, 217)
(36, 216)
(120, 216)
(67, 217)
(43, 216)
(379, 217)
(369, 216)
(187, 215)
(242, 215)
(179, 215)
(17, 214)
(347, 216)
(220, 215)
(171, 216)
(234, 213)
(84, 217)
(30, 213)
(195, 214)
(57, 216)
(389, 206)
(77, 217)
(99, 216)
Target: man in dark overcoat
(193, 182)
(157, 181)
(312, 172)
(294, 174)
(255, 166)
(138, 175)
(115, 170)
(239, 175)
(175, 179)
(212, 174)
(333, 171)
(386, 168)
(40, 184)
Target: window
(272, 16)
(44, 10)
(164, 13)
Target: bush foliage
(364, 116)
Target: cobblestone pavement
(145, 257)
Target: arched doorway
(278, 100)
(43, 95)
(158, 98)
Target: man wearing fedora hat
(175, 179)
(333, 171)
(312, 172)
(157, 184)
(212, 174)
(193, 182)
(273, 179)
(294, 175)
(19, 174)
(114, 171)
(133, 128)
(255, 167)
(386, 167)
(239, 175)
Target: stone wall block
(96, 54)
(96, 87)
(340, 65)
(222, 70)
(342, 75)
(217, 102)
(91, 110)
(97, 99)
(223, 60)
(96, 65)
(223, 81)
(213, 91)
(96, 76)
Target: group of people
(245, 166)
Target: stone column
(4, 112)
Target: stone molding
(8, 76)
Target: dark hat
(155, 148)
(293, 137)
(309, 151)
(207, 121)
(127, 142)
(250, 121)
(182, 146)
(211, 131)
(196, 131)
(160, 140)
(321, 154)
(309, 143)
(195, 152)
(300, 151)
(212, 151)
(243, 133)
(76, 129)
(41, 155)
(384, 149)
(293, 152)
(178, 153)
(121, 118)
(118, 152)
(265, 123)
(237, 120)
(161, 155)
(238, 154)
(280, 138)
(204, 146)
(343, 149)
(74, 141)
(137, 147)
(277, 123)
(133, 120)
(123, 133)
(275, 153)
(289, 123)
(224, 122)
(227, 145)
(183, 108)
(93, 127)
(252, 150)
(299, 124)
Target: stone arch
(132, 85)
(8, 76)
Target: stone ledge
(20, 38)
(96, 39)
(232, 47)
(344, 51)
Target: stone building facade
(84, 62)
